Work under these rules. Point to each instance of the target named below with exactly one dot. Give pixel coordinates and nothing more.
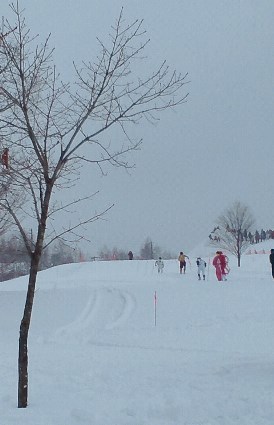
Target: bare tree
(231, 226)
(52, 128)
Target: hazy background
(211, 151)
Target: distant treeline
(15, 261)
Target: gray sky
(211, 151)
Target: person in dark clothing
(130, 255)
(271, 259)
(5, 158)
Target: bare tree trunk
(25, 322)
(23, 336)
(239, 244)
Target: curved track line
(107, 308)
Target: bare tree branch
(52, 128)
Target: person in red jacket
(220, 264)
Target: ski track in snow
(101, 360)
(107, 308)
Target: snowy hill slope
(97, 356)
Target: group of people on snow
(201, 264)
(252, 238)
(220, 262)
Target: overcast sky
(209, 152)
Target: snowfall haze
(198, 159)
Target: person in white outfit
(201, 267)
(160, 264)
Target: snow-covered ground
(103, 351)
